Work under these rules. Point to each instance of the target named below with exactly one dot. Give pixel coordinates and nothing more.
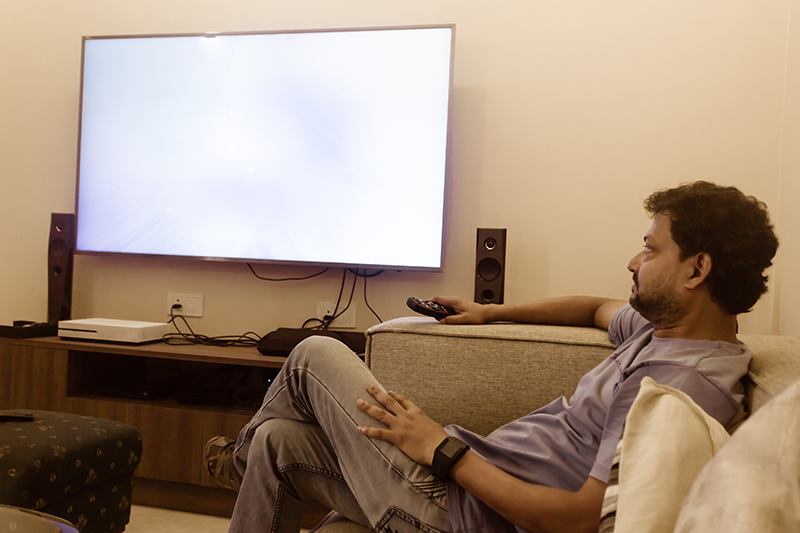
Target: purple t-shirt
(563, 443)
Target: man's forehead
(660, 231)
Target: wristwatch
(446, 456)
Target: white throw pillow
(753, 485)
(667, 440)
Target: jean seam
(313, 469)
(382, 525)
(277, 510)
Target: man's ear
(702, 267)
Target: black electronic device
(16, 417)
(282, 341)
(429, 308)
(138, 391)
(24, 329)
(490, 266)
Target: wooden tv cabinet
(72, 377)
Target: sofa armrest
(481, 377)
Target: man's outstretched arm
(531, 507)
(563, 311)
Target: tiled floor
(154, 520)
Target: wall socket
(346, 320)
(191, 304)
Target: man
(373, 456)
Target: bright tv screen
(327, 147)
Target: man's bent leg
(290, 465)
(319, 384)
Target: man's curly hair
(733, 229)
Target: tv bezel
(279, 262)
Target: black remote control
(429, 308)
(16, 417)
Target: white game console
(112, 330)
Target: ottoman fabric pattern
(76, 467)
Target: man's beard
(660, 306)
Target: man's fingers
(402, 400)
(381, 415)
(394, 402)
(376, 433)
(390, 400)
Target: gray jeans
(303, 445)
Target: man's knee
(322, 356)
(275, 436)
(285, 442)
(321, 346)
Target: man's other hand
(468, 312)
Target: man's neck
(707, 322)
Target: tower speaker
(490, 266)
(59, 267)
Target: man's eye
(647, 249)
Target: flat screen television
(325, 147)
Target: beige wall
(567, 114)
(787, 278)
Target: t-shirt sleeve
(683, 378)
(625, 322)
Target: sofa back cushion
(481, 377)
(774, 367)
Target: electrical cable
(324, 323)
(367, 301)
(367, 276)
(286, 279)
(336, 313)
(327, 321)
(180, 338)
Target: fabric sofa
(481, 377)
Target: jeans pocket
(398, 521)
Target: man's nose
(635, 262)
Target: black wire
(365, 296)
(327, 322)
(286, 279)
(324, 323)
(366, 276)
(313, 320)
(180, 338)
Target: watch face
(450, 448)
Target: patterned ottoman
(75, 467)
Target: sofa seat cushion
(63, 463)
